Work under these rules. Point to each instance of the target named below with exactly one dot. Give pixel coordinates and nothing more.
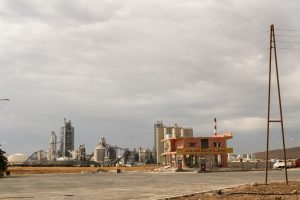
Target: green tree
(135, 155)
(127, 153)
(3, 162)
(149, 159)
(112, 153)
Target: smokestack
(215, 126)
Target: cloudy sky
(114, 67)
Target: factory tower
(67, 139)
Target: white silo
(99, 153)
(249, 157)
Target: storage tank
(99, 153)
(248, 156)
(41, 155)
(175, 131)
(167, 132)
(17, 158)
(75, 154)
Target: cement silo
(100, 151)
(52, 152)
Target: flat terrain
(271, 191)
(128, 185)
(59, 170)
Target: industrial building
(100, 151)
(67, 139)
(52, 151)
(17, 158)
(104, 153)
(161, 131)
(189, 151)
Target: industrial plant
(104, 154)
(175, 147)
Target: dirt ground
(255, 191)
(57, 170)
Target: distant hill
(291, 153)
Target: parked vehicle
(280, 164)
(296, 162)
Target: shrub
(3, 162)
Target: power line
(291, 30)
(288, 49)
(288, 35)
(288, 42)
(284, 48)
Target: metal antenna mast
(273, 47)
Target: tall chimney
(215, 126)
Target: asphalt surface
(129, 185)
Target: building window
(204, 144)
(192, 144)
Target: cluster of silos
(41, 155)
(176, 131)
(165, 132)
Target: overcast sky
(115, 67)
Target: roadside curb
(202, 192)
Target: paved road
(135, 185)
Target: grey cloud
(114, 68)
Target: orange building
(190, 150)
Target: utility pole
(273, 47)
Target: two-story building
(213, 150)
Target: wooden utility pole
(273, 47)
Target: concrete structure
(161, 132)
(142, 155)
(17, 158)
(190, 150)
(100, 151)
(82, 152)
(254, 164)
(136, 186)
(52, 151)
(67, 139)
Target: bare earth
(63, 170)
(274, 191)
(107, 184)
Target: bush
(3, 162)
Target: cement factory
(174, 146)
(104, 154)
